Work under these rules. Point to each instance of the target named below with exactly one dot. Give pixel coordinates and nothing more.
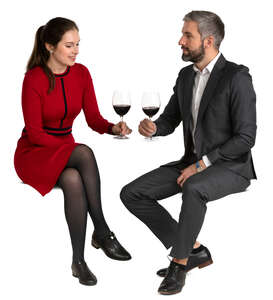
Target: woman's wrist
(110, 129)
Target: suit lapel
(188, 81)
(209, 89)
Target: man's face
(191, 43)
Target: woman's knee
(81, 156)
(85, 150)
(70, 177)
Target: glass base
(150, 139)
(121, 137)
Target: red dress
(46, 142)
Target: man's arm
(243, 116)
(170, 118)
(167, 121)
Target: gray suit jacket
(226, 123)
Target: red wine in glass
(121, 109)
(150, 105)
(150, 111)
(121, 103)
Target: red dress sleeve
(91, 110)
(31, 105)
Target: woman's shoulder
(35, 74)
(81, 68)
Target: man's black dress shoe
(199, 257)
(174, 280)
(111, 246)
(81, 271)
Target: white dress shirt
(199, 85)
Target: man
(216, 103)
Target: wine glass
(150, 105)
(121, 103)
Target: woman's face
(64, 54)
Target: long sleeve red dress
(46, 143)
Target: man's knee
(193, 188)
(129, 195)
(125, 194)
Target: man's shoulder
(232, 68)
(185, 72)
(186, 69)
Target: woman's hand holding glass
(121, 129)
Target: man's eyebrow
(187, 32)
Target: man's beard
(194, 56)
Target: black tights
(80, 182)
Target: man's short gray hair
(208, 24)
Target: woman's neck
(56, 67)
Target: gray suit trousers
(141, 198)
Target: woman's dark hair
(50, 33)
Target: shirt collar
(209, 67)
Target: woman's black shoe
(111, 246)
(81, 271)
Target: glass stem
(151, 137)
(121, 121)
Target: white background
(133, 45)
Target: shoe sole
(171, 293)
(203, 265)
(95, 245)
(84, 283)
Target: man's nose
(181, 41)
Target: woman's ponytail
(50, 33)
(40, 56)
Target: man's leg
(213, 183)
(141, 195)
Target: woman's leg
(75, 207)
(83, 160)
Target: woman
(55, 89)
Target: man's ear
(209, 41)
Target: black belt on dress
(56, 131)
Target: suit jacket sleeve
(171, 117)
(91, 110)
(32, 112)
(243, 118)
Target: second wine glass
(150, 105)
(121, 103)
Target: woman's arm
(91, 110)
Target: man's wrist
(200, 166)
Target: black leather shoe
(111, 247)
(199, 257)
(81, 271)
(174, 280)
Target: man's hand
(121, 128)
(147, 128)
(188, 172)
